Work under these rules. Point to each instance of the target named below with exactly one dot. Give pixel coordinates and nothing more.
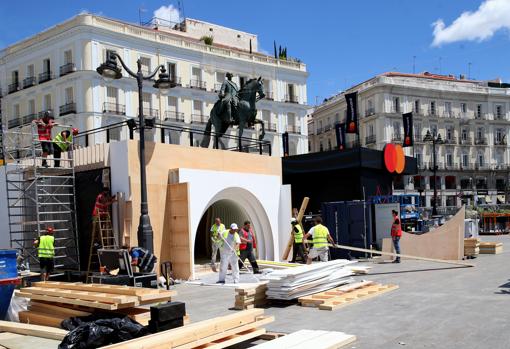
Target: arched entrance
(233, 205)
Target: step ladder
(102, 237)
(39, 197)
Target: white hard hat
(293, 220)
(233, 226)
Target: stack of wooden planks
(471, 247)
(288, 284)
(491, 247)
(310, 339)
(340, 296)
(52, 302)
(220, 332)
(250, 296)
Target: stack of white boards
(310, 339)
(288, 284)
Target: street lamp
(435, 139)
(109, 70)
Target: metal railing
(13, 123)
(481, 166)
(481, 141)
(450, 140)
(396, 137)
(271, 127)
(114, 108)
(465, 141)
(176, 80)
(500, 142)
(293, 129)
(327, 128)
(67, 68)
(369, 112)
(370, 139)
(320, 130)
(29, 118)
(199, 118)
(197, 84)
(46, 76)
(29, 82)
(174, 116)
(150, 112)
(68, 108)
(42, 112)
(291, 99)
(14, 87)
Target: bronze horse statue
(244, 116)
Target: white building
(55, 69)
(472, 117)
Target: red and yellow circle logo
(394, 158)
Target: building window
(499, 111)
(432, 108)
(68, 57)
(416, 106)
(449, 133)
(147, 103)
(478, 111)
(15, 77)
(465, 160)
(433, 129)
(499, 135)
(68, 95)
(450, 182)
(417, 130)
(31, 107)
(449, 159)
(419, 158)
(16, 111)
(112, 94)
(242, 81)
(480, 159)
(47, 102)
(146, 65)
(329, 144)
(30, 71)
(46, 65)
(464, 134)
(172, 72)
(479, 133)
(321, 147)
(396, 130)
(196, 74)
(448, 109)
(396, 104)
(370, 108)
(463, 108)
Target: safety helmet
(50, 229)
(75, 131)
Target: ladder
(39, 197)
(102, 237)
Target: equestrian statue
(234, 107)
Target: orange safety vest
(244, 234)
(396, 228)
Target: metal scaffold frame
(39, 197)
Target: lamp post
(111, 71)
(435, 139)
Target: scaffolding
(39, 197)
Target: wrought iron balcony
(450, 140)
(29, 82)
(451, 166)
(397, 137)
(418, 138)
(42, 112)
(14, 87)
(327, 128)
(13, 123)
(150, 112)
(68, 108)
(465, 141)
(481, 141)
(500, 142)
(67, 68)
(174, 116)
(370, 139)
(481, 166)
(291, 99)
(293, 129)
(114, 108)
(29, 118)
(176, 80)
(369, 112)
(46, 76)
(467, 166)
(270, 127)
(320, 130)
(198, 118)
(197, 84)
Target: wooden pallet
(491, 247)
(250, 297)
(341, 296)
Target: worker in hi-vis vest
(297, 248)
(45, 245)
(321, 238)
(216, 229)
(396, 234)
(61, 143)
(229, 251)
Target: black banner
(407, 119)
(352, 112)
(340, 136)
(285, 140)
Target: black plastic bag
(91, 332)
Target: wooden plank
(357, 296)
(299, 218)
(44, 319)
(309, 339)
(32, 330)
(318, 298)
(234, 339)
(84, 295)
(193, 332)
(91, 304)
(46, 308)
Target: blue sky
(342, 42)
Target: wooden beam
(84, 295)
(33, 330)
(85, 303)
(44, 319)
(299, 218)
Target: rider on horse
(229, 99)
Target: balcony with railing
(467, 166)
(370, 139)
(270, 127)
(397, 137)
(481, 166)
(176, 80)
(13, 123)
(465, 141)
(46, 76)
(291, 99)
(43, 112)
(29, 118)
(439, 165)
(150, 112)
(14, 87)
(328, 127)
(199, 118)
(114, 108)
(269, 96)
(451, 166)
(294, 129)
(369, 112)
(68, 108)
(500, 142)
(199, 84)
(320, 130)
(418, 138)
(29, 82)
(481, 140)
(450, 140)
(176, 116)
(67, 69)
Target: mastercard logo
(394, 158)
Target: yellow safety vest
(320, 236)
(63, 143)
(215, 230)
(46, 247)
(236, 237)
(298, 237)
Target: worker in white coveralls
(321, 238)
(229, 251)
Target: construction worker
(45, 245)
(44, 126)
(229, 250)
(103, 202)
(321, 237)
(61, 144)
(216, 229)
(248, 244)
(143, 259)
(297, 248)
(396, 234)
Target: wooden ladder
(102, 237)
